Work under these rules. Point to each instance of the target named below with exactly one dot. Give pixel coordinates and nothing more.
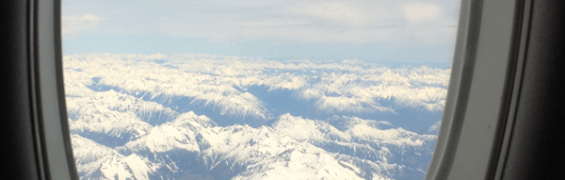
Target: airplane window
(223, 89)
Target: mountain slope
(155, 117)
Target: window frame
(483, 91)
(477, 120)
(49, 113)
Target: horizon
(395, 32)
(389, 64)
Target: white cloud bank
(420, 11)
(333, 11)
(77, 25)
(313, 21)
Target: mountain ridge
(237, 118)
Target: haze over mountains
(158, 117)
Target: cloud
(420, 11)
(355, 22)
(332, 11)
(77, 25)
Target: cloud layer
(78, 25)
(312, 21)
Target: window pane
(251, 89)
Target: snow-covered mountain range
(135, 116)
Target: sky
(383, 31)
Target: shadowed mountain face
(134, 116)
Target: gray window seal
(53, 144)
(486, 71)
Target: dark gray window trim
(53, 144)
(483, 91)
(16, 127)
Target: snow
(95, 161)
(435, 127)
(133, 118)
(139, 166)
(95, 118)
(216, 82)
(178, 134)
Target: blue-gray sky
(384, 31)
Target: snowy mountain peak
(134, 116)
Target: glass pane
(225, 89)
